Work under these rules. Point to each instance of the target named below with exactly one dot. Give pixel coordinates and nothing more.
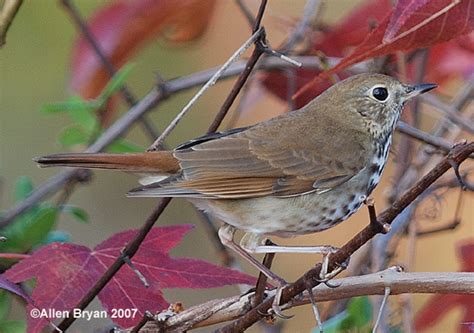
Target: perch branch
(221, 310)
(458, 154)
(134, 245)
(7, 14)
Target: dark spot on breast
(371, 186)
(324, 209)
(346, 211)
(339, 164)
(375, 168)
(332, 211)
(352, 197)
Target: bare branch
(134, 245)
(221, 310)
(237, 54)
(124, 123)
(109, 67)
(7, 14)
(458, 154)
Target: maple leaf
(451, 59)
(422, 24)
(337, 42)
(65, 272)
(439, 305)
(122, 27)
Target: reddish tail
(161, 162)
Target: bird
(301, 172)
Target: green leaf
(82, 112)
(333, 324)
(124, 146)
(41, 225)
(356, 318)
(73, 104)
(5, 302)
(77, 212)
(13, 326)
(23, 188)
(116, 82)
(73, 135)
(359, 312)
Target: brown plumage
(318, 162)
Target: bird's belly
(290, 216)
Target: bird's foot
(324, 275)
(276, 306)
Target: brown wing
(285, 156)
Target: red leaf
(451, 59)
(418, 31)
(123, 27)
(401, 13)
(439, 305)
(353, 29)
(433, 22)
(335, 43)
(65, 272)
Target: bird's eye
(380, 93)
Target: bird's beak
(412, 91)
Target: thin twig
(129, 252)
(134, 245)
(221, 310)
(262, 278)
(123, 124)
(246, 11)
(310, 11)
(203, 89)
(459, 153)
(127, 95)
(7, 14)
(415, 133)
(449, 111)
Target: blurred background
(35, 68)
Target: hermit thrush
(301, 172)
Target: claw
(331, 285)
(276, 305)
(324, 276)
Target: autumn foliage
(65, 271)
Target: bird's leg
(314, 306)
(251, 243)
(324, 275)
(226, 235)
(251, 240)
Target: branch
(7, 14)
(123, 124)
(458, 154)
(108, 66)
(134, 245)
(237, 54)
(221, 310)
(449, 111)
(437, 142)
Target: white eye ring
(379, 93)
